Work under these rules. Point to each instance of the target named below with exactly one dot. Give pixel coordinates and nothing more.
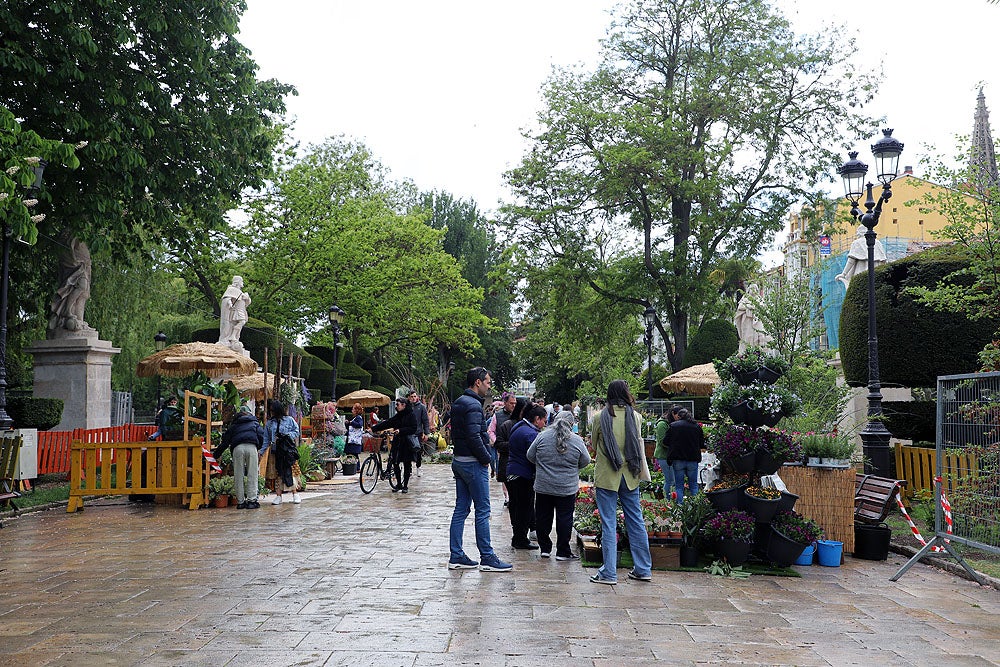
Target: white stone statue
(748, 327)
(70, 299)
(857, 257)
(234, 314)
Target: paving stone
(313, 584)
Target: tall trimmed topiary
(915, 343)
(715, 339)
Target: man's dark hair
(474, 374)
(534, 411)
(518, 409)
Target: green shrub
(350, 371)
(715, 339)
(916, 344)
(911, 420)
(30, 412)
(18, 374)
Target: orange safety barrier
(54, 446)
(145, 468)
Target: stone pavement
(349, 579)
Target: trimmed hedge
(916, 344)
(351, 371)
(715, 339)
(30, 412)
(911, 420)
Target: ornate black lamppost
(650, 316)
(451, 369)
(160, 343)
(875, 436)
(5, 421)
(336, 317)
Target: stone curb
(946, 565)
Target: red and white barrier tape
(945, 505)
(211, 459)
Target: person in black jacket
(245, 436)
(684, 439)
(423, 425)
(405, 440)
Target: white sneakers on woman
(295, 499)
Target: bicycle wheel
(395, 480)
(369, 474)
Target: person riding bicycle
(405, 442)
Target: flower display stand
(827, 496)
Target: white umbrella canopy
(183, 359)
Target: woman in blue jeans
(620, 466)
(685, 439)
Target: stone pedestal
(77, 370)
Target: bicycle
(373, 468)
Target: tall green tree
(703, 123)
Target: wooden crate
(665, 556)
(589, 550)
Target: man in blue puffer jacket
(471, 467)
(245, 436)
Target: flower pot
(767, 376)
(772, 419)
(349, 468)
(727, 499)
(813, 461)
(743, 463)
(830, 553)
(221, 501)
(763, 510)
(689, 556)
(787, 502)
(765, 463)
(755, 417)
(735, 553)
(838, 463)
(783, 551)
(761, 538)
(744, 378)
(738, 412)
(871, 542)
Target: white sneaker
(276, 501)
(296, 499)
(532, 535)
(420, 473)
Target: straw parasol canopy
(184, 359)
(366, 397)
(252, 386)
(697, 380)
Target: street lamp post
(5, 421)
(409, 359)
(336, 317)
(160, 343)
(451, 369)
(875, 436)
(650, 316)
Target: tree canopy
(686, 146)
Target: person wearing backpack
(660, 453)
(245, 437)
(281, 436)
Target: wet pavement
(350, 579)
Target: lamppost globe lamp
(649, 315)
(875, 436)
(336, 315)
(160, 341)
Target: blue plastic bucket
(829, 552)
(807, 556)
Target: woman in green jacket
(620, 466)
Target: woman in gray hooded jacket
(558, 455)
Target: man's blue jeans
(689, 470)
(607, 505)
(668, 477)
(472, 485)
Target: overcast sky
(439, 89)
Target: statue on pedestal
(857, 258)
(70, 299)
(748, 327)
(234, 314)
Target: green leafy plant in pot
(691, 515)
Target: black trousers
(562, 507)
(397, 458)
(521, 508)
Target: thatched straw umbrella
(366, 397)
(697, 381)
(184, 359)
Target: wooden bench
(10, 449)
(874, 498)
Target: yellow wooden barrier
(916, 466)
(119, 469)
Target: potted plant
(220, 487)
(791, 534)
(762, 502)
(732, 532)
(725, 493)
(691, 515)
(839, 451)
(735, 445)
(813, 446)
(775, 448)
(586, 519)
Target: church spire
(983, 160)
